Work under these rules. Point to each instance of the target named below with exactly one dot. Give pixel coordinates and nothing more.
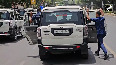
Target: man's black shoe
(106, 57)
(97, 53)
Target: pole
(14, 4)
(91, 5)
(102, 4)
(113, 4)
(72, 1)
(52, 2)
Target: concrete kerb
(112, 14)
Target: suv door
(92, 33)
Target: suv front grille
(1, 23)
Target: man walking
(101, 33)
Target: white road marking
(110, 50)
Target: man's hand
(102, 12)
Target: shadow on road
(34, 56)
(68, 59)
(110, 56)
(5, 40)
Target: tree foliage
(7, 3)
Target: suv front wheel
(14, 37)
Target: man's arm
(88, 17)
(92, 19)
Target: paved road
(110, 39)
(20, 53)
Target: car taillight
(85, 31)
(38, 32)
(5, 33)
(78, 47)
(47, 48)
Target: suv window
(4, 15)
(62, 17)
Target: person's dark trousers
(100, 43)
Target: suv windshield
(4, 16)
(60, 17)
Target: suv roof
(57, 8)
(4, 10)
(69, 7)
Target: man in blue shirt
(37, 17)
(101, 33)
(41, 6)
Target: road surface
(21, 53)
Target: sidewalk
(112, 14)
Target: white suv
(10, 25)
(62, 30)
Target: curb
(112, 14)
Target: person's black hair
(98, 12)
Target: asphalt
(21, 53)
(110, 39)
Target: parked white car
(9, 24)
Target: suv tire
(43, 55)
(14, 36)
(84, 56)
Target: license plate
(61, 31)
